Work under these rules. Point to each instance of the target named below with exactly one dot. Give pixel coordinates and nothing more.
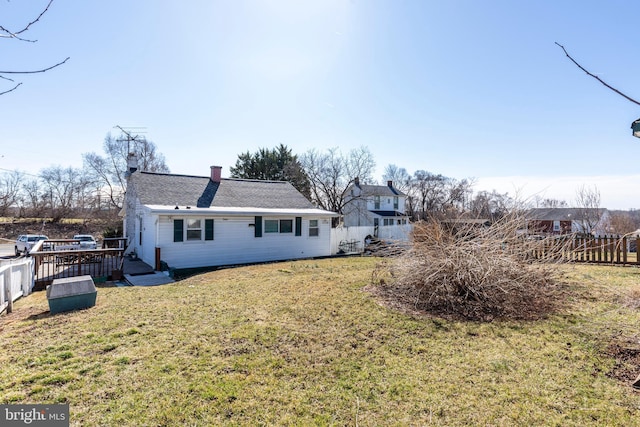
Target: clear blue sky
(468, 89)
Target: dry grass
(300, 343)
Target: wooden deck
(101, 264)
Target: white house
(379, 206)
(205, 221)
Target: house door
(376, 224)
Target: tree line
(323, 176)
(94, 190)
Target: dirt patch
(22, 314)
(627, 357)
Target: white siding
(234, 243)
(147, 251)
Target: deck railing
(54, 259)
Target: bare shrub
(470, 270)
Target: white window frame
(278, 226)
(291, 228)
(271, 222)
(189, 228)
(314, 228)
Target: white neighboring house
(206, 221)
(381, 207)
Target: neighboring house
(374, 205)
(206, 221)
(594, 221)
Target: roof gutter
(233, 211)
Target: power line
(23, 173)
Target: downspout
(157, 247)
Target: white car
(25, 242)
(87, 241)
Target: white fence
(16, 280)
(354, 238)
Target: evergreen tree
(278, 164)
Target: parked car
(87, 241)
(25, 242)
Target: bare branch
(14, 34)
(11, 90)
(596, 77)
(36, 71)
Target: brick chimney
(390, 184)
(356, 181)
(216, 173)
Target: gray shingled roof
(202, 192)
(563, 214)
(379, 190)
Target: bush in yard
(474, 271)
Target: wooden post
(158, 259)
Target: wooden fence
(599, 249)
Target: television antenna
(133, 134)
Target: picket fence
(599, 250)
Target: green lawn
(301, 343)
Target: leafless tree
(589, 212)
(10, 183)
(110, 170)
(439, 195)
(622, 223)
(18, 35)
(33, 202)
(403, 181)
(65, 188)
(400, 177)
(491, 205)
(541, 202)
(330, 174)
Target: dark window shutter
(298, 226)
(257, 227)
(208, 229)
(178, 227)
